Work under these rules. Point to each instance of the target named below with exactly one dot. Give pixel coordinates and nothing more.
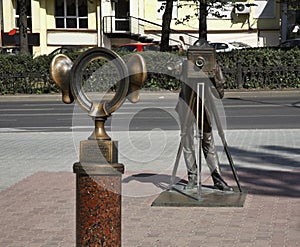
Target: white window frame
(77, 17)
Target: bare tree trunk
(1, 21)
(167, 17)
(202, 22)
(23, 26)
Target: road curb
(262, 93)
(162, 93)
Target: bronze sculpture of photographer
(200, 65)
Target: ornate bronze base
(177, 196)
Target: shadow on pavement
(278, 157)
(254, 181)
(271, 183)
(161, 181)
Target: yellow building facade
(77, 29)
(257, 23)
(108, 23)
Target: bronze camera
(201, 59)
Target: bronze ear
(137, 76)
(60, 72)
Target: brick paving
(40, 211)
(270, 217)
(37, 193)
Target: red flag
(12, 32)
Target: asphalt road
(263, 113)
(154, 111)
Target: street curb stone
(146, 93)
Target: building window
(17, 15)
(71, 14)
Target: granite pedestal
(98, 194)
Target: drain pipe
(99, 25)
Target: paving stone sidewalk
(40, 211)
(37, 197)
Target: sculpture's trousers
(208, 148)
(187, 111)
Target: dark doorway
(122, 13)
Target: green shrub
(267, 68)
(262, 67)
(158, 76)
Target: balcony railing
(134, 26)
(113, 25)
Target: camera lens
(200, 61)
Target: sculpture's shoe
(219, 182)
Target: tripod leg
(199, 133)
(176, 165)
(231, 164)
(222, 136)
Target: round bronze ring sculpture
(105, 108)
(99, 67)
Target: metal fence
(268, 77)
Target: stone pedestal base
(209, 197)
(98, 195)
(98, 206)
